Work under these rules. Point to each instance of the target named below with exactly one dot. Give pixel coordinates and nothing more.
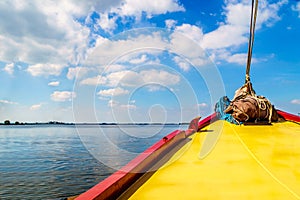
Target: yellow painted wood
(247, 162)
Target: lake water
(52, 162)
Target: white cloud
(170, 23)
(106, 50)
(117, 105)
(97, 80)
(113, 103)
(225, 36)
(296, 101)
(7, 102)
(235, 30)
(184, 65)
(128, 78)
(140, 60)
(113, 92)
(154, 88)
(159, 77)
(54, 83)
(135, 8)
(239, 58)
(62, 96)
(45, 69)
(124, 78)
(191, 31)
(188, 48)
(106, 22)
(114, 68)
(36, 106)
(128, 106)
(202, 105)
(42, 31)
(150, 7)
(9, 68)
(76, 72)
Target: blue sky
(142, 61)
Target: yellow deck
(247, 162)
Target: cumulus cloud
(128, 78)
(113, 92)
(179, 42)
(296, 101)
(97, 80)
(76, 72)
(36, 106)
(184, 65)
(49, 31)
(124, 78)
(9, 68)
(239, 58)
(7, 102)
(170, 23)
(54, 83)
(113, 103)
(191, 31)
(140, 60)
(159, 77)
(134, 9)
(62, 96)
(230, 34)
(150, 7)
(128, 106)
(154, 88)
(45, 69)
(202, 105)
(234, 31)
(114, 68)
(41, 32)
(106, 50)
(225, 36)
(117, 105)
(107, 23)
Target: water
(52, 162)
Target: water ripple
(51, 162)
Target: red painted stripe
(288, 116)
(206, 121)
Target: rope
(251, 38)
(262, 104)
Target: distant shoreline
(87, 124)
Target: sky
(142, 61)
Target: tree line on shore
(8, 122)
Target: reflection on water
(50, 162)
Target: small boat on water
(232, 154)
